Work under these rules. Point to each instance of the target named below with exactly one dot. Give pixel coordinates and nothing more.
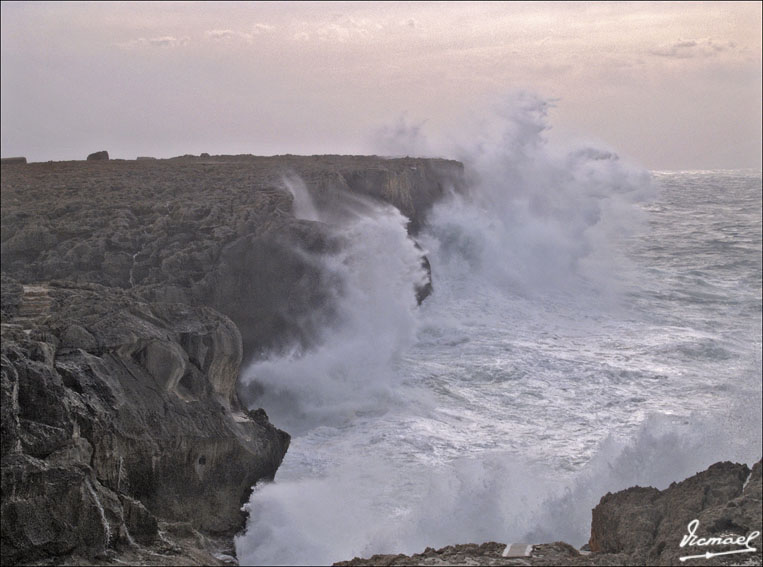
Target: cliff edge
(132, 291)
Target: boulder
(103, 155)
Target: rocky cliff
(215, 231)
(131, 293)
(119, 415)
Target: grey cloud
(691, 48)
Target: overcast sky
(668, 85)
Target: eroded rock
(118, 413)
(649, 524)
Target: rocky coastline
(639, 526)
(132, 292)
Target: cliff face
(132, 291)
(118, 413)
(649, 524)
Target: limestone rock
(118, 413)
(219, 231)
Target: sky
(666, 85)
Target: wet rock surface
(638, 526)
(131, 294)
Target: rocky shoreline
(637, 526)
(132, 292)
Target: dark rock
(613, 532)
(258, 415)
(135, 411)
(272, 290)
(103, 155)
(11, 292)
(140, 523)
(12, 160)
(649, 524)
(424, 291)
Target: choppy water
(593, 326)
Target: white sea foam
(565, 353)
(351, 371)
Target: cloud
(162, 41)
(227, 35)
(262, 28)
(220, 34)
(691, 48)
(340, 29)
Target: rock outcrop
(489, 553)
(649, 524)
(119, 415)
(638, 526)
(103, 155)
(12, 160)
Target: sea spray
(539, 217)
(101, 513)
(550, 366)
(379, 268)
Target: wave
(393, 452)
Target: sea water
(593, 326)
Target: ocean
(593, 326)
